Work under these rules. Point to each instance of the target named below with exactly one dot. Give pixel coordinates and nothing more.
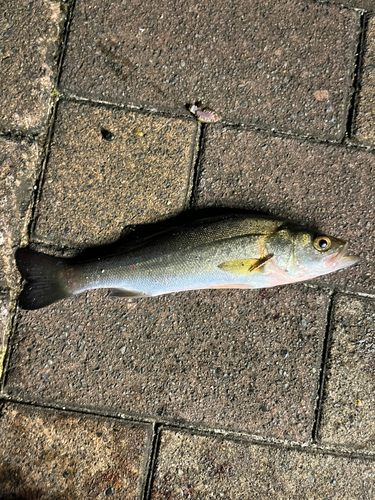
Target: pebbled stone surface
(348, 417)
(29, 35)
(18, 169)
(266, 62)
(235, 360)
(56, 455)
(365, 120)
(329, 188)
(191, 466)
(94, 187)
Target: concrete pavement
(206, 394)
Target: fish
(236, 251)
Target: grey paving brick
(284, 64)
(238, 360)
(94, 187)
(365, 120)
(348, 416)
(329, 188)
(29, 35)
(47, 454)
(19, 162)
(191, 466)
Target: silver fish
(236, 251)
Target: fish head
(316, 254)
(300, 254)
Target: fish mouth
(340, 259)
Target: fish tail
(45, 279)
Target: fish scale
(179, 269)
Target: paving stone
(239, 360)
(55, 455)
(94, 187)
(268, 62)
(329, 188)
(19, 162)
(191, 466)
(365, 119)
(29, 36)
(348, 416)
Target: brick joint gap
(323, 369)
(64, 39)
(40, 177)
(154, 451)
(357, 79)
(197, 166)
(51, 120)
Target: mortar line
(196, 429)
(197, 165)
(51, 121)
(248, 127)
(194, 154)
(323, 370)
(145, 470)
(65, 37)
(153, 458)
(357, 79)
(251, 440)
(40, 178)
(344, 142)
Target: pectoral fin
(245, 266)
(129, 294)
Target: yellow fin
(245, 266)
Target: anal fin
(128, 294)
(229, 286)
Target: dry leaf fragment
(321, 95)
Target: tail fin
(44, 276)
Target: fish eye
(322, 243)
